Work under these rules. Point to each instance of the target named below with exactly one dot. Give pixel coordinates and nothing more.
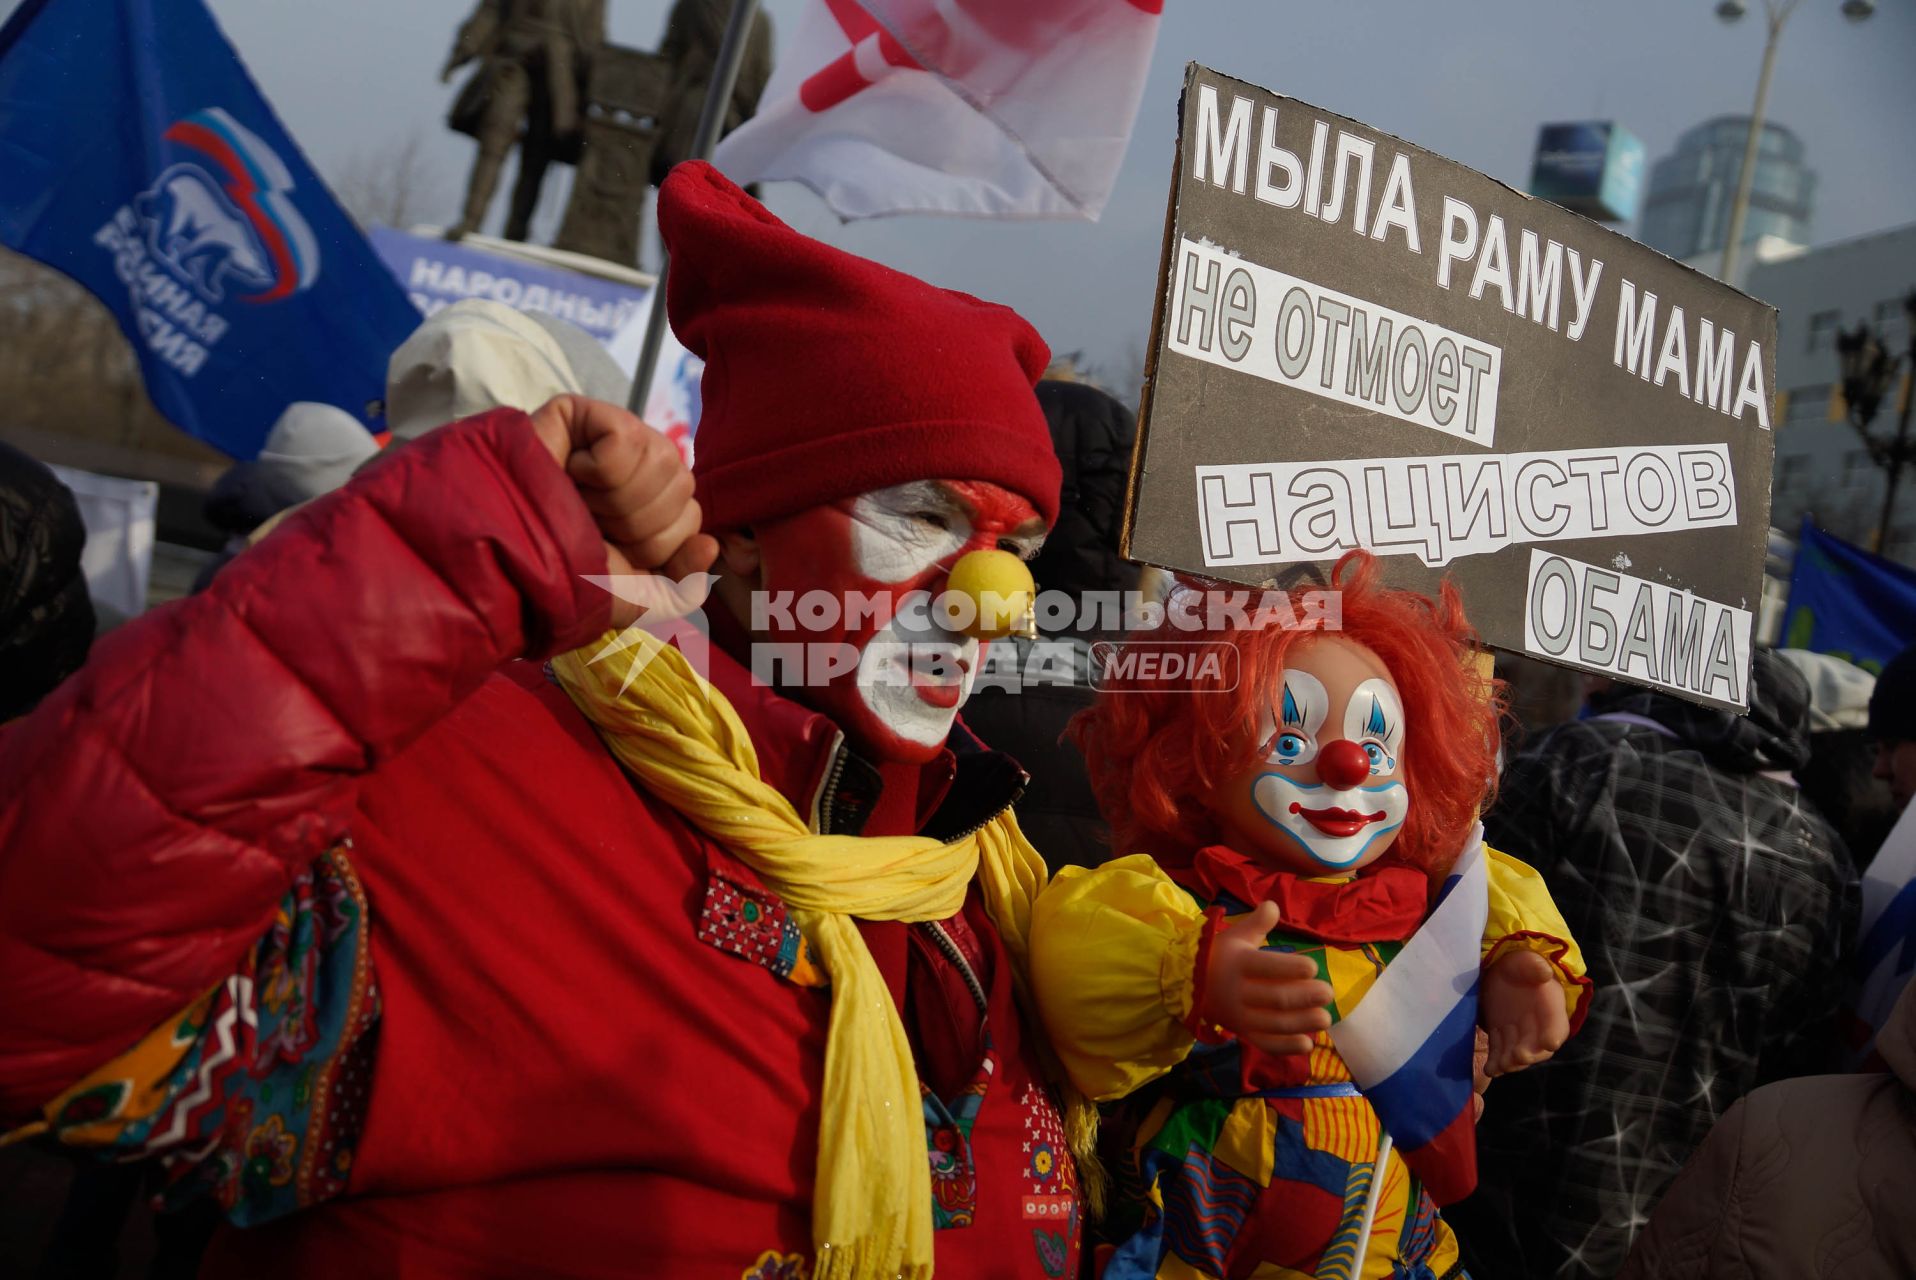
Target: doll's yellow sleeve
(1113, 953)
(1522, 914)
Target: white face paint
(1303, 810)
(882, 554)
(916, 686)
(901, 532)
(1333, 826)
(1374, 720)
(915, 683)
(1289, 730)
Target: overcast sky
(355, 80)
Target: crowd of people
(406, 900)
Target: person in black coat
(46, 616)
(1093, 434)
(1715, 908)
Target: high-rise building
(1823, 468)
(1687, 213)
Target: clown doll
(1288, 825)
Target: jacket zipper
(957, 957)
(829, 791)
(987, 820)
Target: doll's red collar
(1384, 904)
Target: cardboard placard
(1360, 343)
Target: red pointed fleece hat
(827, 375)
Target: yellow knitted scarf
(684, 742)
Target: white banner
(119, 518)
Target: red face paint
(872, 555)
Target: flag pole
(718, 99)
(1376, 1193)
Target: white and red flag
(992, 108)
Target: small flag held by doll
(1408, 1043)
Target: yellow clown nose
(1001, 592)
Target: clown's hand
(637, 489)
(1271, 1000)
(1521, 1006)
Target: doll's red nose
(1342, 764)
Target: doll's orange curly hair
(1155, 752)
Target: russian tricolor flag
(1409, 1042)
(1885, 958)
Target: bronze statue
(642, 115)
(529, 89)
(693, 33)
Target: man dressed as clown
(390, 898)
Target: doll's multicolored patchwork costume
(1229, 1161)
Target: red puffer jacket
(594, 1057)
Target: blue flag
(138, 157)
(1847, 602)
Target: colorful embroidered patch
(132, 1088)
(754, 924)
(1050, 1188)
(1050, 1181)
(254, 1094)
(1054, 1250)
(773, 1265)
(954, 1171)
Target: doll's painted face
(881, 548)
(1327, 793)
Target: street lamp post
(1777, 12)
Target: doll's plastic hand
(1522, 1007)
(1271, 1000)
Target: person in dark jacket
(1840, 775)
(1892, 726)
(1715, 908)
(46, 616)
(1093, 434)
(46, 629)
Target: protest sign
(1358, 343)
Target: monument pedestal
(625, 93)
